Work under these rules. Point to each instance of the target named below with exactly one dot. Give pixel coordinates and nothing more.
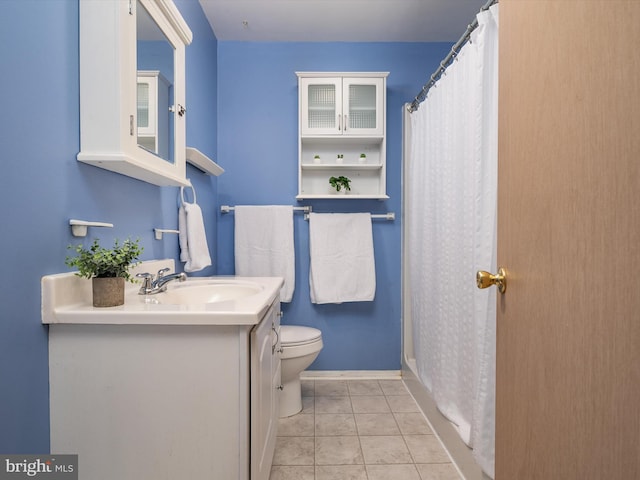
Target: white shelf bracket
(79, 227)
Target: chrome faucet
(152, 286)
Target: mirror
(155, 81)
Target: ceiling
(340, 20)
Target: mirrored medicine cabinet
(132, 89)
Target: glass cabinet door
(342, 106)
(363, 106)
(321, 106)
(145, 107)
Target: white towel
(342, 262)
(182, 234)
(192, 237)
(264, 244)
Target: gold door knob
(485, 279)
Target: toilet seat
(296, 335)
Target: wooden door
(568, 331)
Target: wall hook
(159, 231)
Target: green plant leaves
(340, 182)
(97, 261)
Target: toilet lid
(291, 335)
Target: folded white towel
(264, 244)
(193, 239)
(342, 265)
(182, 234)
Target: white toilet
(300, 347)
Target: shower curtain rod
(447, 60)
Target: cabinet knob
(280, 387)
(179, 109)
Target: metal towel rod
(227, 209)
(308, 209)
(379, 216)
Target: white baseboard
(351, 375)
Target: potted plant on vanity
(107, 268)
(341, 184)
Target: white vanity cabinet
(341, 117)
(265, 389)
(177, 401)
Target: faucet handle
(146, 282)
(162, 272)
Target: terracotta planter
(108, 292)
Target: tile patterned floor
(358, 430)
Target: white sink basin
(198, 292)
(217, 300)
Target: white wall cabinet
(143, 402)
(152, 112)
(116, 37)
(341, 117)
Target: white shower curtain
(450, 213)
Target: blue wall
(258, 123)
(242, 111)
(44, 186)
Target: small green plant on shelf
(340, 182)
(100, 262)
(363, 155)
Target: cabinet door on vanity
(265, 389)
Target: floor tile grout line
(354, 392)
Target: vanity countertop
(66, 299)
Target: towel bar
(308, 209)
(374, 216)
(227, 209)
(159, 231)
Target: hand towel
(192, 237)
(342, 264)
(264, 244)
(182, 234)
